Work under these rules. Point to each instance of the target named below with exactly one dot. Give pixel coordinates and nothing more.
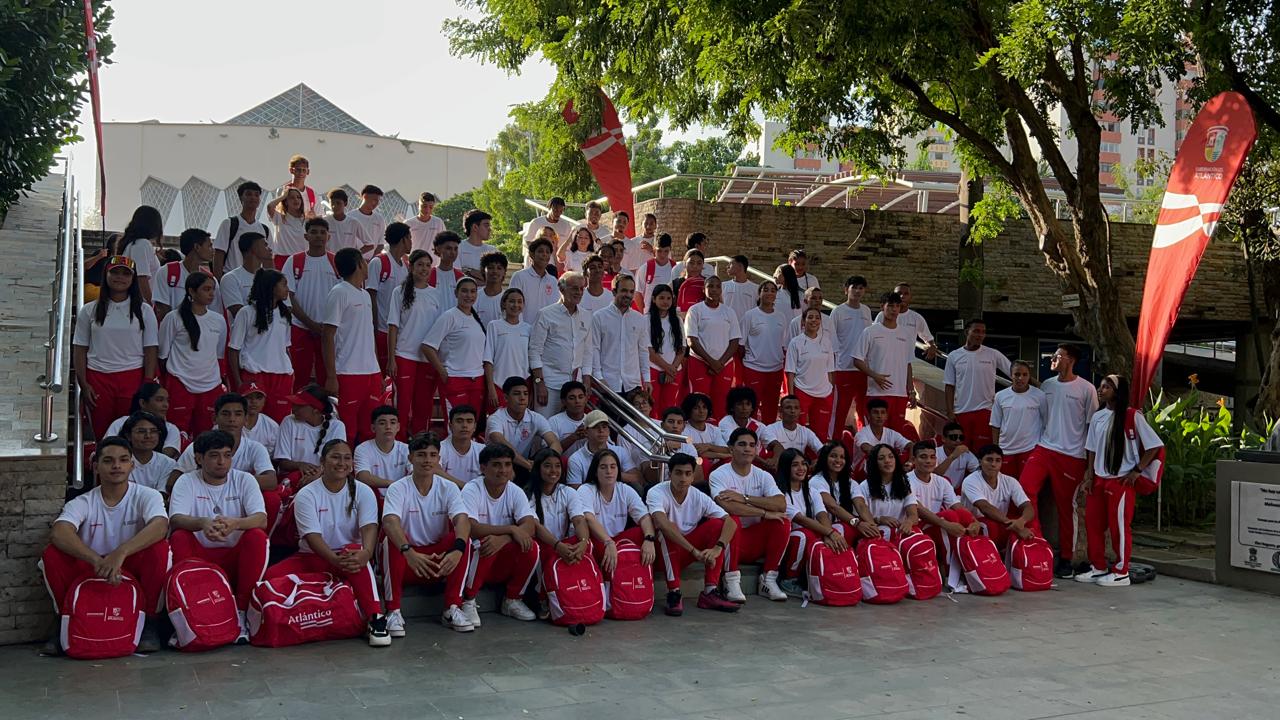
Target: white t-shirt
(763, 339)
(888, 436)
(591, 304)
(812, 361)
(311, 291)
(413, 323)
(506, 348)
(509, 508)
(231, 245)
(1021, 418)
(265, 432)
(710, 434)
(524, 434)
(795, 329)
(796, 505)
(562, 425)
(708, 270)
(961, 468)
(668, 343)
(489, 307)
(422, 234)
(973, 373)
(1071, 405)
(820, 485)
(375, 227)
(469, 255)
(539, 292)
(444, 283)
(1006, 494)
(162, 293)
(350, 310)
(1100, 433)
(573, 259)
(764, 434)
(715, 327)
(297, 440)
(346, 233)
(559, 509)
(740, 296)
(613, 513)
(912, 325)
(634, 255)
(801, 438)
(396, 272)
(154, 474)
(144, 258)
(290, 236)
(331, 515)
(235, 286)
(697, 506)
(197, 369)
(756, 482)
(849, 323)
(619, 348)
(172, 435)
(266, 352)
(389, 465)
(936, 495)
(563, 227)
(238, 497)
(580, 464)
(250, 457)
(104, 528)
(889, 506)
(463, 466)
(117, 344)
(459, 340)
(807, 281)
(424, 518)
(661, 275)
(888, 352)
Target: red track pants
(245, 563)
(149, 566)
(675, 559)
(1064, 474)
(1109, 506)
(396, 572)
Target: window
(939, 156)
(1106, 167)
(1142, 140)
(1110, 147)
(1151, 136)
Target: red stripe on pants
(676, 559)
(765, 540)
(190, 411)
(714, 385)
(304, 353)
(361, 581)
(851, 394)
(357, 397)
(398, 573)
(1109, 506)
(668, 394)
(800, 544)
(1064, 474)
(115, 395)
(510, 565)
(245, 562)
(149, 566)
(416, 386)
(768, 388)
(815, 413)
(465, 391)
(277, 386)
(977, 427)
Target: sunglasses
(956, 436)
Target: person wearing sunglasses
(957, 460)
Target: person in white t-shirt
(387, 271)
(850, 318)
(888, 495)
(554, 219)
(619, 356)
(739, 292)
(596, 295)
(658, 270)
(1018, 416)
(506, 348)
(489, 299)
(299, 169)
(1059, 458)
(711, 444)
(424, 226)
(712, 331)
(692, 528)
(227, 251)
(145, 433)
(764, 329)
(667, 351)
(614, 512)
(373, 222)
(478, 226)
(752, 498)
(428, 536)
(970, 383)
(912, 324)
(574, 249)
(520, 429)
(640, 249)
(116, 527)
(310, 275)
(876, 432)
(345, 231)
(561, 531)
(810, 521)
(810, 368)
(235, 285)
(884, 354)
(217, 515)
(248, 456)
(998, 501)
(153, 398)
(455, 348)
(140, 242)
(789, 433)
(460, 453)
(337, 533)
(290, 224)
(700, 242)
(957, 462)
(592, 222)
(742, 407)
(191, 341)
(567, 424)
(412, 312)
(258, 351)
(812, 299)
(1123, 449)
(502, 531)
(258, 425)
(842, 495)
(309, 426)
(799, 262)
(597, 438)
(347, 344)
(196, 246)
(382, 459)
(942, 516)
(444, 277)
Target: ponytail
(407, 288)
(351, 494)
(318, 393)
(188, 316)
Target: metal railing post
(51, 381)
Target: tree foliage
(43, 83)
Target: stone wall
(31, 494)
(890, 247)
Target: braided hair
(262, 296)
(407, 288)
(319, 393)
(185, 313)
(899, 486)
(841, 482)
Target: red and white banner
(91, 56)
(1210, 159)
(607, 155)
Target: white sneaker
(243, 639)
(767, 586)
(472, 612)
(515, 608)
(1113, 580)
(960, 589)
(455, 619)
(1091, 576)
(733, 587)
(395, 624)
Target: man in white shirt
(309, 283)
(696, 241)
(884, 354)
(876, 432)
(554, 219)
(521, 429)
(752, 498)
(489, 295)
(168, 288)
(655, 271)
(640, 249)
(998, 500)
(957, 461)
(740, 293)
(1059, 458)
(788, 431)
(596, 424)
(592, 223)
(387, 271)
(350, 363)
(299, 169)
(382, 459)
(620, 342)
(502, 532)
(374, 224)
(595, 296)
(217, 515)
(942, 516)
(692, 527)
(1018, 417)
(117, 526)
(535, 280)
(345, 231)
(970, 383)
(800, 263)
(478, 226)
(247, 455)
(226, 241)
(558, 344)
(236, 284)
(850, 318)
(911, 323)
(713, 334)
(460, 453)
(568, 423)
(424, 226)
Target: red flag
(607, 155)
(91, 56)
(1210, 159)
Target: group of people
(341, 337)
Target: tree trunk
(969, 298)
(1268, 404)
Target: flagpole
(92, 62)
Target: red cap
(251, 388)
(307, 399)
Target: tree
(42, 85)
(858, 77)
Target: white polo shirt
(118, 343)
(523, 434)
(539, 291)
(973, 373)
(350, 310)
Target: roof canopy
(301, 107)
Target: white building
(189, 171)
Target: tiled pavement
(1168, 650)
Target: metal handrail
(77, 422)
(53, 379)
(634, 417)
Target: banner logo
(1215, 139)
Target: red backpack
(300, 265)
(833, 577)
(201, 606)
(1149, 479)
(575, 592)
(101, 620)
(296, 609)
(1030, 564)
(920, 556)
(984, 571)
(629, 593)
(884, 582)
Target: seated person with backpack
(502, 527)
(752, 498)
(692, 527)
(942, 516)
(998, 499)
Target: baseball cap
(594, 418)
(251, 388)
(303, 398)
(123, 261)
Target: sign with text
(1255, 531)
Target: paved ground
(1169, 650)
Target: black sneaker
(53, 646)
(1084, 566)
(675, 604)
(1062, 569)
(378, 635)
(150, 641)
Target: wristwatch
(721, 545)
(650, 538)
(405, 548)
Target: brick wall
(922, 249)
(31, 493)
